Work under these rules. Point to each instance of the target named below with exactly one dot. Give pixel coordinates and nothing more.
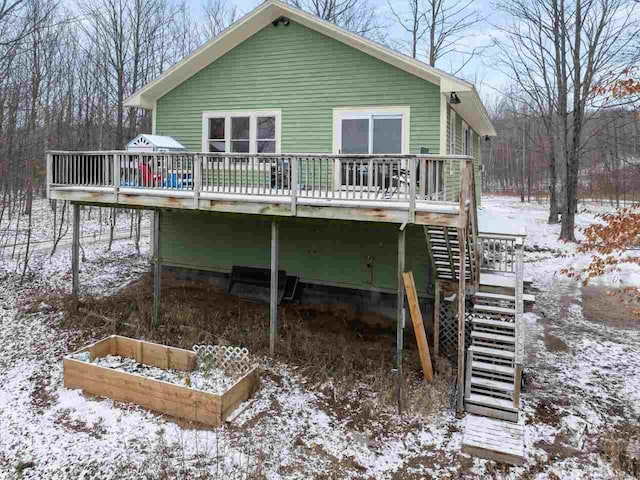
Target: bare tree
(436, 29)
(217, 16)
(558, 54)
(358, 16)
(413, 22)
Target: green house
(282, 81)
(320, 159)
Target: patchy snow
(582, 369)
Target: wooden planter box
(163, 397)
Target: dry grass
(621, 447)
(329, 344)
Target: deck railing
(399, 178)
(498, 252)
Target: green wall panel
(306, 74)
(349, 254)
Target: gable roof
(470, 108)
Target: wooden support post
(156, 268)
(436, 320)
(400, 313)
(275, 246)
(461, 314)
(75, 251)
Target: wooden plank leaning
(418, 325)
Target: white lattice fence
(235, 361)
(449, 330)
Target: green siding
(306, 74)
(452, 169)
(349, 254)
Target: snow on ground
(583, 368)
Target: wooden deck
(374, 188)
(494, 440)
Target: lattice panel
(449, 330)
(235, 361)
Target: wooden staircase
(493, 374)
(490, 371)
(493, 360)
(444, 248)
(495, 356)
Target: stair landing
(494, 440)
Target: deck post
(436, 320)
(412, 189)
(400, 312)
(275, 246)
(461, 317)
(49, 174)
(293, 186)
(75, 251)
(156, 268)
(196, 180)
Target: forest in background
(567, 119)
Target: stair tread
(495, 296)
(491, 308)
(494, 337)
(488, 401)
(526, 297)
(495, 352)
(494, 384)
(494, 323)
(491, 367)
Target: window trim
(452, 132)
(341, 113)
(253, 129)
(467, 148)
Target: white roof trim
(159, 141)
(263, 15)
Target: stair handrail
(519, 326)
(469, 218)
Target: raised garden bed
(94, 371)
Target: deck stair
(494, 363)
(444, 248)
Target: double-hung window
(241, 132)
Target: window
(371, 131)
(216, 137)
(241, 132)
(376, 130)
(266, 135)
(240, 140)
(452, 132)
(466, 140)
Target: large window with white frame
(241, 132)
(371, 130)
(374, 130)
